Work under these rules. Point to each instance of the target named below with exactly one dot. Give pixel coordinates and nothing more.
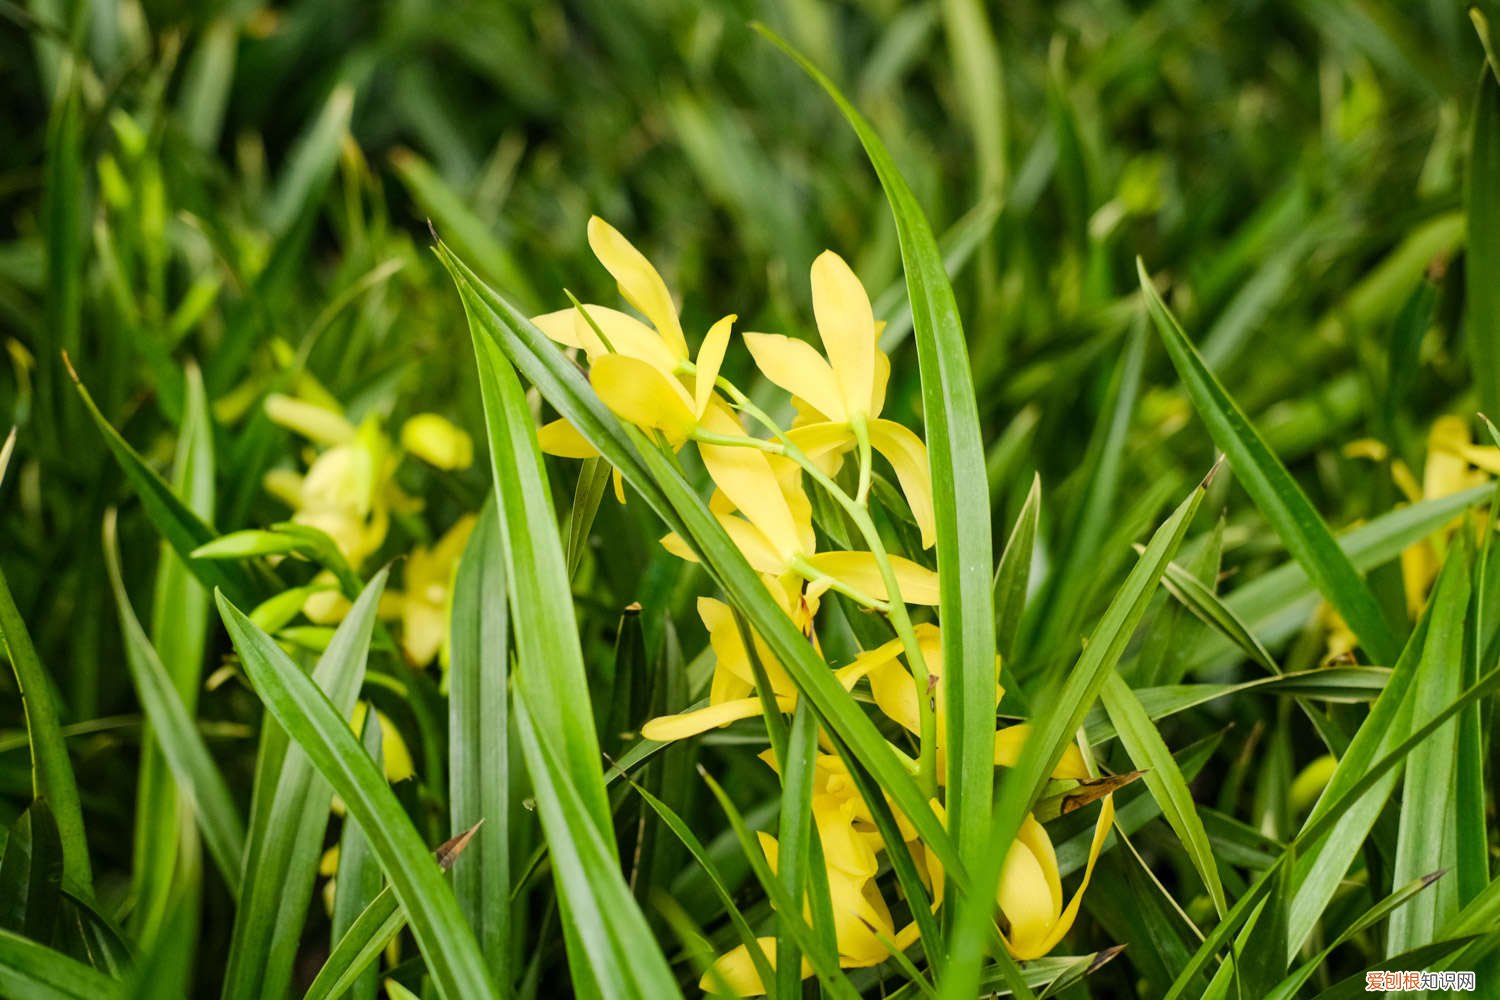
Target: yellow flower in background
(840, 397)
(426, 601)
(437, 442)
(1453, 464)
(398, 762)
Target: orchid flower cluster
(349, 492)
(645, 373)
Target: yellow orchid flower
(347, 490)
(732, 692)
(1454, 463)
(860, 915)
(639, 371)
(775, 531)
(426, 602)
(1030, 892)
(840, 396)
(437, 442)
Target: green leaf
(479, 777)
(288, 825)
(357, 881)
(550, 660)
(959, 490)
(1482, 257)
(1148, 752)
(51, 770)
(176, 733)
(1274, 491)
(622, 956)
(312, 722)
(1014, 572)
(179, 633)
(29, 971)
(1427, 840)
(1051, 733)
(172, 518)
(311, 163)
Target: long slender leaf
(181, 743)
(29, 971)
(1051, 733)
(51, 770)
(357, 882)
(1482, 257)
(1274, 491)
(622, 956)
(479, 772)
(959, 489)
(287, 830)
(447, 944)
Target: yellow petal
(749, 482)
(559, 328)
(437, 442)
(847, 326)
(624, 335)
(314, 422)
(667, 728)
(1070, 912)
(639, 282)
(728, 644)
(798, 368)
(843, 849)
(882, 378)
(1446, 471)
(675, 544)
(825, 443)
(737, 969)
(642, 395)
(908, 456)
(758, 551)
(1010, 741)
(710, 358)
(919, 585)
(562, 439)
(1025, 897)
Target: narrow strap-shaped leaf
(478, 759)
(448, 946)
(29, 971)
(177, 524)
(623, 958)
(181, 743)
(1014, 572)
(286, 839)
(357, 882)
(1482, 257)
(549, 657)
(1051, 732)
(1148, 751)
(960, 494)
(1273, 489)
(51, 770)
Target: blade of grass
(1482, 254)
(622, 956)
(178, 736)
(288, 826)
(29, 971)
(177, 524)
(1148, 751)
(1274, 491)
(179, 631)
(478, 763)
(1427, 840)
(51, 770)
(311, 721)
(960, 494)
(1014, 572)
(357, 881)
(1051, 733)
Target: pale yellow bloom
(840, 397)
(437, 442)
(426, 600)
